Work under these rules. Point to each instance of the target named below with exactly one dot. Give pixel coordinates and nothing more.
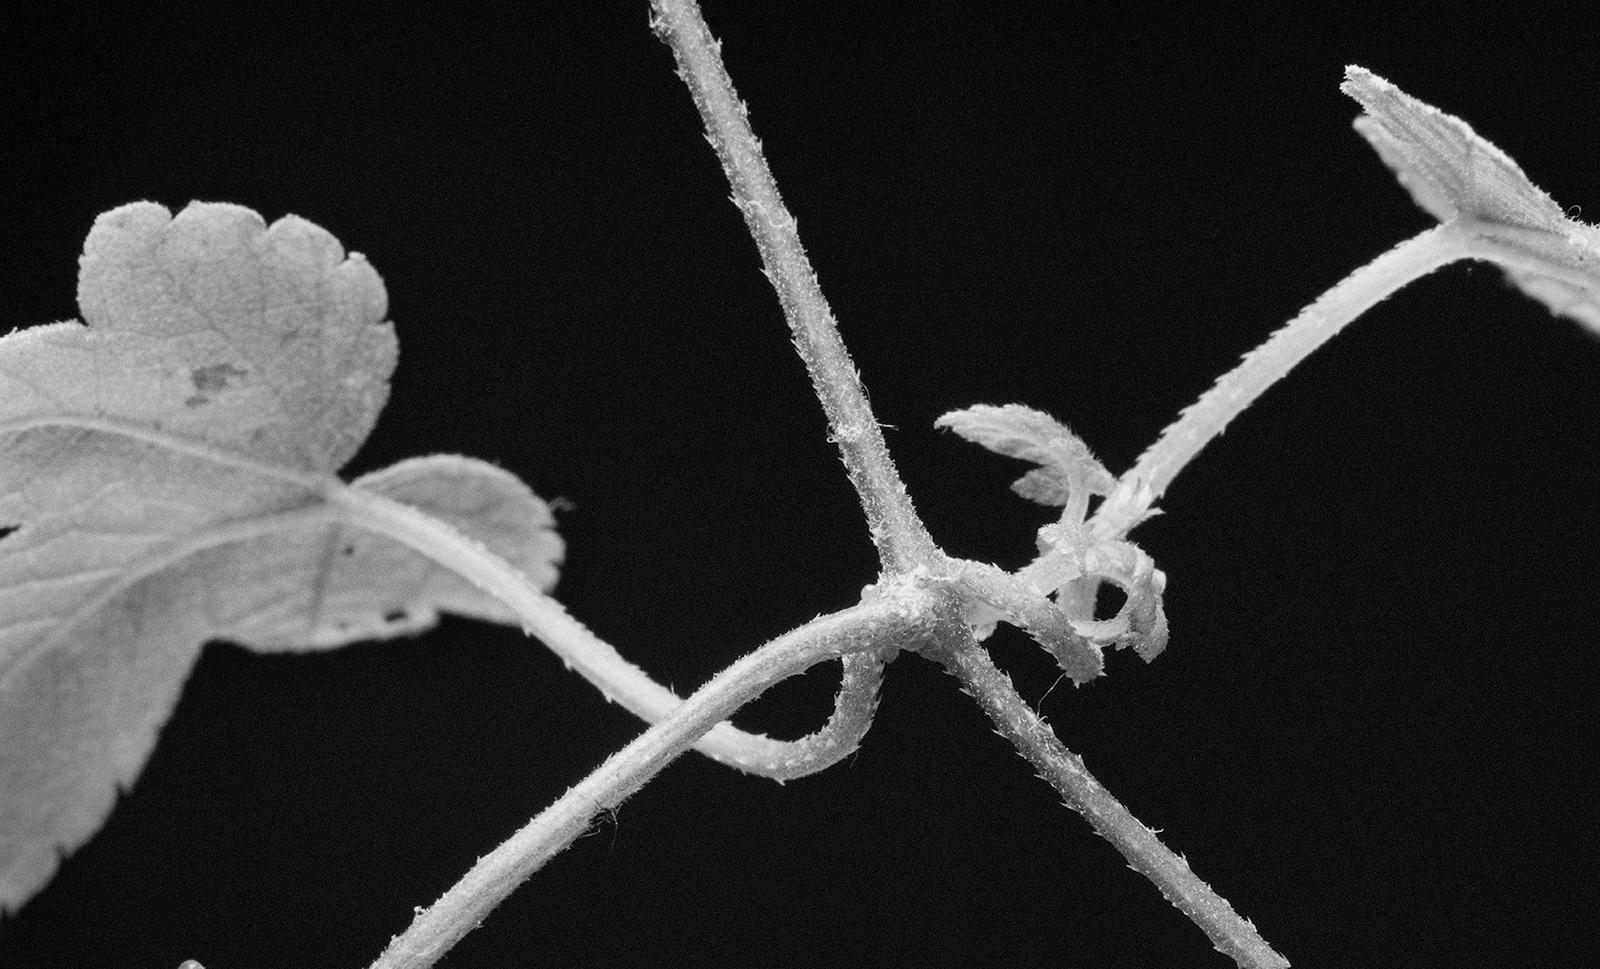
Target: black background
(1382, 582)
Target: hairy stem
(900, 618)
(1266, 364)
(903, 543)
(598, 661)
(1230, 932)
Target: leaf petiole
(1268, 363)
(620, 681)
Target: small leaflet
(1456, 175)
(1068, 473)
(1074, 558)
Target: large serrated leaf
(164, 468)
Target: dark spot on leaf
(6, 531)
(348, 550)
(211, 380)
(395, 615)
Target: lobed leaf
(164, 467)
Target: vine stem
(902, 541)
(900, 617)
(1294, 341)
(1230, 932)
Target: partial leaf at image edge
(1458, 176)
(165, 467)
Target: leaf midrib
(312, 481)
(318, 486)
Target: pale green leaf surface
(1457, 176)
(164, 466)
